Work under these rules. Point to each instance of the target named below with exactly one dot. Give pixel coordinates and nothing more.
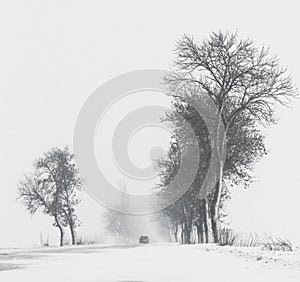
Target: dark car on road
(144, 240)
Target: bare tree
(118, 223)
(240, 78)
(52, 188)
(36, 194)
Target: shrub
(88, 240)
(277, 244)
(248, 240)
(228, 237)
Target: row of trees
(245, 83)
(52, 189)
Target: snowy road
(157, 262)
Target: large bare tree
(240, 78)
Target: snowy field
(154, 262)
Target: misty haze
(149, 141)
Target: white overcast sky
(53, 54)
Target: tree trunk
(188, 235)
(176, 233)
(200, 232)
(61, 231)
(69, 217)
(215, 204)
(73, 234)
(182, 233)
(189, 228)
(205, 220)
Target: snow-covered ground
(154, 262)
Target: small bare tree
(52, 188)
(37, 195)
